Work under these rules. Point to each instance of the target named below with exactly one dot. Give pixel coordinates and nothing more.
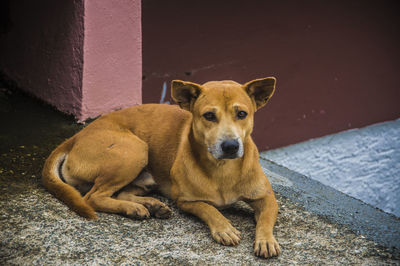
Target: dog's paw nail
(163, 213)
(159, 210)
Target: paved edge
(337, 207)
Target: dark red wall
(337, 63)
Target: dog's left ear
(260, 90)
(185, 93)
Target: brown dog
(201, 156)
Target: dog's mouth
(227, 149)
(233, 156)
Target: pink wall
(82, 56)
(112, 70)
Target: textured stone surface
(364, 163)
(335, 206)
(37, 229)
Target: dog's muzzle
(227, 149)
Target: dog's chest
(225, 198)
(225, 194)
(225, 187)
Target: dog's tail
(51, 179)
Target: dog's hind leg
(142, 185)
(110, 161)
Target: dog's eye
(241, 115)
(210, 116)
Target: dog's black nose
(230, 147)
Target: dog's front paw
(266, 247)
(226, 235)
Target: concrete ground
(363, 163)
(35, 228)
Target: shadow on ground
(35, 228)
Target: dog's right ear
(185, 93)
